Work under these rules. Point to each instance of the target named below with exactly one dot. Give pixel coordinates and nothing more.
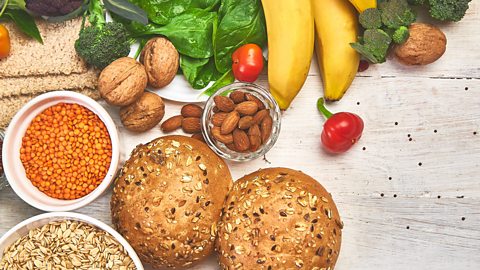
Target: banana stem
(322, 109)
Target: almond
(247, 108)
(240, 140)
(226, 139)
(224, 104)
(218, 118)
(254, 135)
(231, 146)
(251, 97)
(230, 122)
(215, 109)
(191, 125)
(260, 115)
(266, 128)
(192, 110)
(172, 123)
(245, 122)
(198, 136)
(237, 96)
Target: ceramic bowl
(14, 170)
(24, 227)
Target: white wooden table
(409, 192)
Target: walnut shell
(122, 82)
(161, 61)
(143, 114)
(425, 45)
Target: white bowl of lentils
(65, 240)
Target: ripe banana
(336, 27)
(362, 5)
(290, 29)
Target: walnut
(161, 61)
(122, 82)
(425, 45)
(143, 114)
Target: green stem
(4, 7)
(322, 109)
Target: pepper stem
(322, 109)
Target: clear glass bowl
(221, 149)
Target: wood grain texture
(397, 214)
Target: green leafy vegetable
(25, 23)
(226, 79)
(126, 10)
(191, 33)
(163, 11)
(240, 22)
(198, 71)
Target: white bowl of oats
(66, 241)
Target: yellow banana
(362, 5)
(336, 27)
(290, 30)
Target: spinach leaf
(163, 11)
(191, 33)
(25, 23)
(240, 22)
(196, 71)
(226, 79)
(127, 10)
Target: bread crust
(279, 218)
(168, 198)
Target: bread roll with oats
(168, 198)
(279, 219)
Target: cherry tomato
(4, 42)
(341, 130)
(247, 62)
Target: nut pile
(66, 151)
(189, 120)
(241, 122)
(66, 245)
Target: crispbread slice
(14, 86)
(56, 56)
(12, 104)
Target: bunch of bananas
(292, 26)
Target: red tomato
(247, 62)
(341, 130)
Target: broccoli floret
(401, 35)
(52, 7)
(101, 43)
(448, 10)
(370, 18)
(374, 45)
(396, 13)
(417, 2)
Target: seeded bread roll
(168, 199)
(279, 219)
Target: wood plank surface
(409, 191)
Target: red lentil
(66, 151)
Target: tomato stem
(322, 109)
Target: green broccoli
(374, 45)
(396, 13)
(401, 35)
(101, 43)
(370, 18)
(417, 2)
(448, 10)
